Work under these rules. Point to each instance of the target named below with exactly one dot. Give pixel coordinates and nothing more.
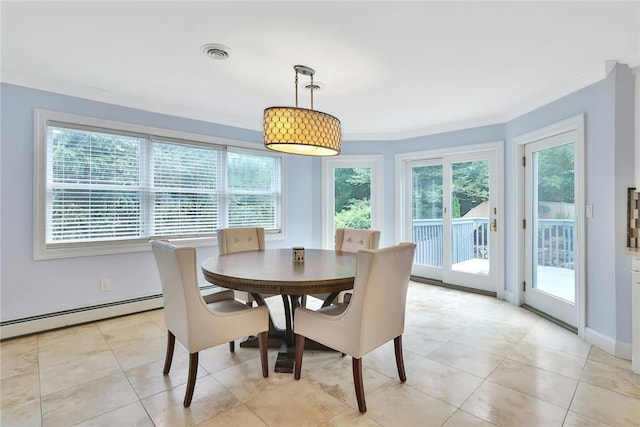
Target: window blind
(106, 186)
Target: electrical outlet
(105, 285)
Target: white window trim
(376, 164)
(41, 252)
(575, 123)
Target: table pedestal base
(283, 339)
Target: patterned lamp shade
(301, 131)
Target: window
(353, 194)
(105, 187)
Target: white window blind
(109, 186)
(94, 186)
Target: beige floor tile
(19, 389)
(612, 378)
(598, 355)
(464, 419)
(217, 358)
(532, 385)
(86, 401)
(337, 380)
(157, 317)
(506, 407)
(209, 400)
(398, 404)
(69, 344)
(548, 335)
(148, 379)
(27, 414)
(245, 379)
(132, 415)
(606, 406)
(576, 420)
(76, 371)
(19, 356)
(536, 382)
(551, 360)
(141, 353)
(312, 405)
(489, 339)
(383, 360)
(127, 336)
(240, 416)
(468, 359)
(448, 384)
(122, 322)
(351, 418)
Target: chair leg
(397, 344)
(298, 359)
(232, 346)
(263, 343)
(171, 343)
(357, 382)
(191, 380)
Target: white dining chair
(232, 240)
(199, 322)
(350, 240)
(374, 316)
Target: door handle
(494, 225)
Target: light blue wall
(608, 110)
(37, 287)
(30, 288)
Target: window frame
(42, 250)
(375, 162)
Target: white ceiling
(390, 70)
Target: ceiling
(388, 70)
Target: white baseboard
(604, 342)
(61, 320)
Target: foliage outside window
(111, 187)
(353, 198)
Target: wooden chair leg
(232, 346)
(357, 382)
(171, 343)
(263, 343)
(191, 379)
(397, 343)
(298, 359)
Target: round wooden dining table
(273, 271)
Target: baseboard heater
(62, 319)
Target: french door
(550, 224)
(454, 218)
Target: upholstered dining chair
(374, 316)
(351, 240)
(231, 240)
(202, 322)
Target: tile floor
(471, 360)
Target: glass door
(550, 281)
(454, 219)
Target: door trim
(401, 165)
(575, 123)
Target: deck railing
(470, 240)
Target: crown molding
(581, 81)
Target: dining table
(277, 271)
